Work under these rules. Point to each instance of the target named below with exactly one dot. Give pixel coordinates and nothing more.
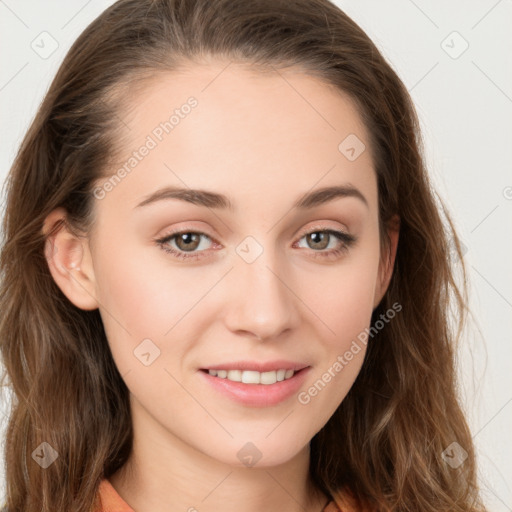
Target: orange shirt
(110, 501)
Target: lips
(253, 377)
(256, 395)
(256, 366)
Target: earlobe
(387, 262)
(69, 261)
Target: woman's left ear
(387, 261)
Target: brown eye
(319, 239)
(187, 241)
(185, 244)
(318, 242)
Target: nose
(261, 300)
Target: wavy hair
(384, 443)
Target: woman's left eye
(189, 241)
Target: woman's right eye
(188, 239)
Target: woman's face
(265, 281)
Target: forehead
(252, 134)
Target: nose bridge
(263, 305)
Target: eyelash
(346, 239)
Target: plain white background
(455, 59)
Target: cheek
(344, 316)
(342, 301)
(342, 297)
(145, 297)
(138, 288)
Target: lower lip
(258, 395)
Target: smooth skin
(263, 140)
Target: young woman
(226, 278)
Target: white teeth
(268, 377)
(253, 377)
(235, 375)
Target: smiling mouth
(253, 377)
(252, 388)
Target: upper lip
(259, 366)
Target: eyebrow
(220, 201)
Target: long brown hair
(384, 443)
